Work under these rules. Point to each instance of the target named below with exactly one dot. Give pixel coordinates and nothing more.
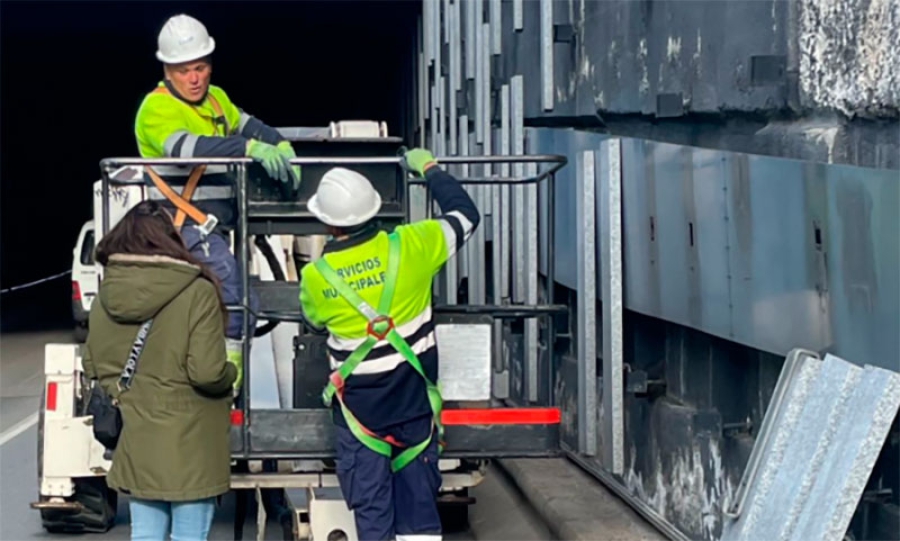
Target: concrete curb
(574, 505)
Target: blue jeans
(151, 520)
(390, 505)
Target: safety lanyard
(380, 326)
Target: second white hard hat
(344, 198)
(183, 39)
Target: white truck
(84, 279)
(281, 439)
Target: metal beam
(428, 8)
(547, 54)
(469, 7)
(517, 144)
(454, 72)
(504, 197)
(525, 237)
(450, 273)
(496, 10)
(463, 170)
(586, 271)
(273, 434)
(612, 280)
(481, 57)
(476, 242)
(518, 15)
(532, 257)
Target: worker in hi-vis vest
(371, 290)
(187, 117)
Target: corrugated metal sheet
(812, 460)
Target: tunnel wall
(758, 160)
(807, 79)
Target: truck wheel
(99, 503)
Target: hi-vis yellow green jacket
(384, 389)
(168, 126)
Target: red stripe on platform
(502, 416)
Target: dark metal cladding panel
(269, 214)
(632, 52)
(566, 388)
(386, 178)
(310, 434)
(521, 51)
(277, 296)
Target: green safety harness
(380, 326)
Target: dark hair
(148, 229)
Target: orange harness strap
(181, 202)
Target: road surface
(21, 383)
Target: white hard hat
(182, 39)
(344, 198)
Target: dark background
(74, 73)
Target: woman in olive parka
(173, 456)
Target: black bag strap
(128, 371)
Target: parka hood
(136, 287)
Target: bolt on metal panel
(469, 7)
(475, 245)
(531, 284)
(526, 238)
(497, 263)
(822, 433)
(835, 290)
(438, 107)
(463, 171)
(454, 70)
(586, 260)
(449, 275)
(518, 15)
(517, 136)
(504, 197)
(439, 110)
(456, 39)
(435, 121)
(858, 259)
(489, 192)
(485, 110)
(481, 45)
(424, 110)
(496, 11)
(436, 36)
(547, 55)
(428, 7)
(613, 304)
(503, 293)
(417, 194)
(446, 13)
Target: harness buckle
(371, 331)
(337, 380)
(208, 226)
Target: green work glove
(288, 152)
(234, 353)
(418, 159)
(271, 158)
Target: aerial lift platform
(285, 456)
